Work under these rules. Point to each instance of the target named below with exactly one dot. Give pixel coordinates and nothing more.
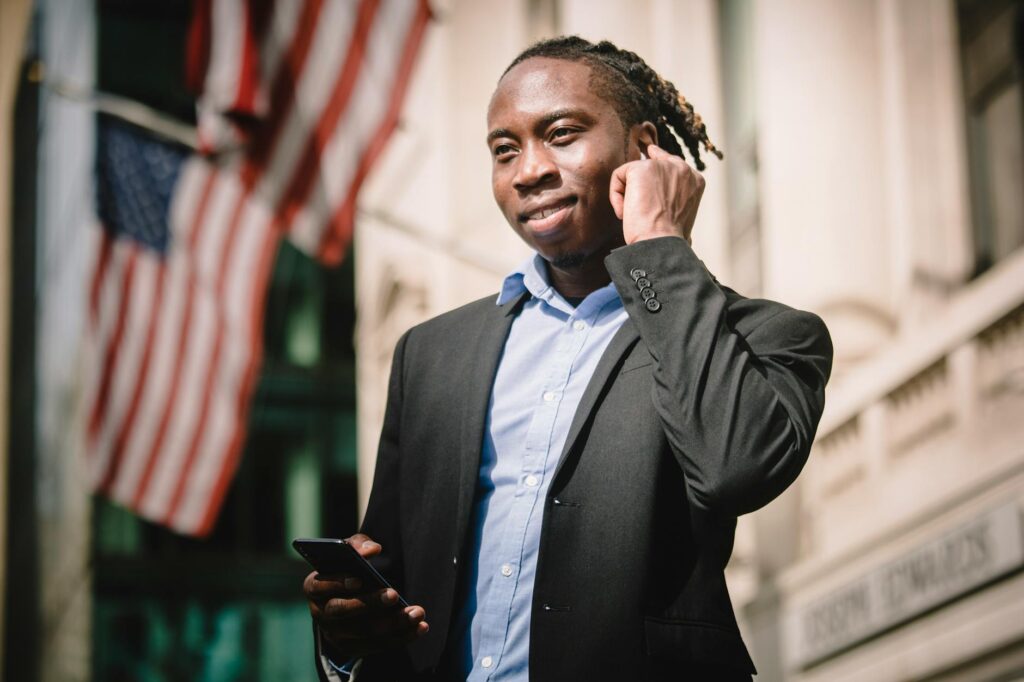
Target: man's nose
(536, 167)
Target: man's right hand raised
(356, 620)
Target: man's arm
(740, 409)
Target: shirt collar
(532, 276)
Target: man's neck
(578, 281)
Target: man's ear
(644, 134)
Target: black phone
(331, 556)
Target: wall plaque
(929, 575)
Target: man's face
(554, 145)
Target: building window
(992, 53)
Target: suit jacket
(702, 408)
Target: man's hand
(355, 620)
(656, 197)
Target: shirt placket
(533, 482)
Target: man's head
(567, 113)
(637, 92)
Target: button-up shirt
(549, 356)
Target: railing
(938, 402)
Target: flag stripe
(211, 181)
(339, 232)
(99, 273)
(305, 171)
(355, 131)
(114, 466)
(283, 89)
(109, 356)
(234, 450)
(129, 353)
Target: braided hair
(637, 91)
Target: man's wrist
(654, 234)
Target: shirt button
(487, 661)
(549, 396)
(532, 481)
(506, 570)
(579, 326)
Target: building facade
(873, 175)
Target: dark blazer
(702, 408)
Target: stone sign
(929, 575)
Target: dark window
(992, 52)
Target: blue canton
(549, 357)
(135, 178)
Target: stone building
(873, 174)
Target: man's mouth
(548, 217)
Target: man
(559, 474)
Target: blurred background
(208, 253)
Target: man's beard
(568, 261)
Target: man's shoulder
(747, 314)
(455, 320)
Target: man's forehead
(538, 84)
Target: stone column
(826, 232)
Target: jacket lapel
(480, 366)
(607, 367)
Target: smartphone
(330, 556)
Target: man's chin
(567, 261)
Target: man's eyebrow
(550, 118)
(498, 132)
(543, 122)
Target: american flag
(188, 241)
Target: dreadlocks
(638, 92)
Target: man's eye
(503, 150)
(561, 133)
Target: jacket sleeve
(739, 396)
(381, 521)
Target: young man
(560, 472)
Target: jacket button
(637, 273)
(653, 305)
(647, 293)
(643, 283)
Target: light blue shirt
(549, 357)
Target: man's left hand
(656, 197)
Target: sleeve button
(643, 283)
(653, 305)
(637, 273)
(647, 293)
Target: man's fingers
(617, 190)
(364, 544)
(319, 587)
(344, 607)
(656, 152)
